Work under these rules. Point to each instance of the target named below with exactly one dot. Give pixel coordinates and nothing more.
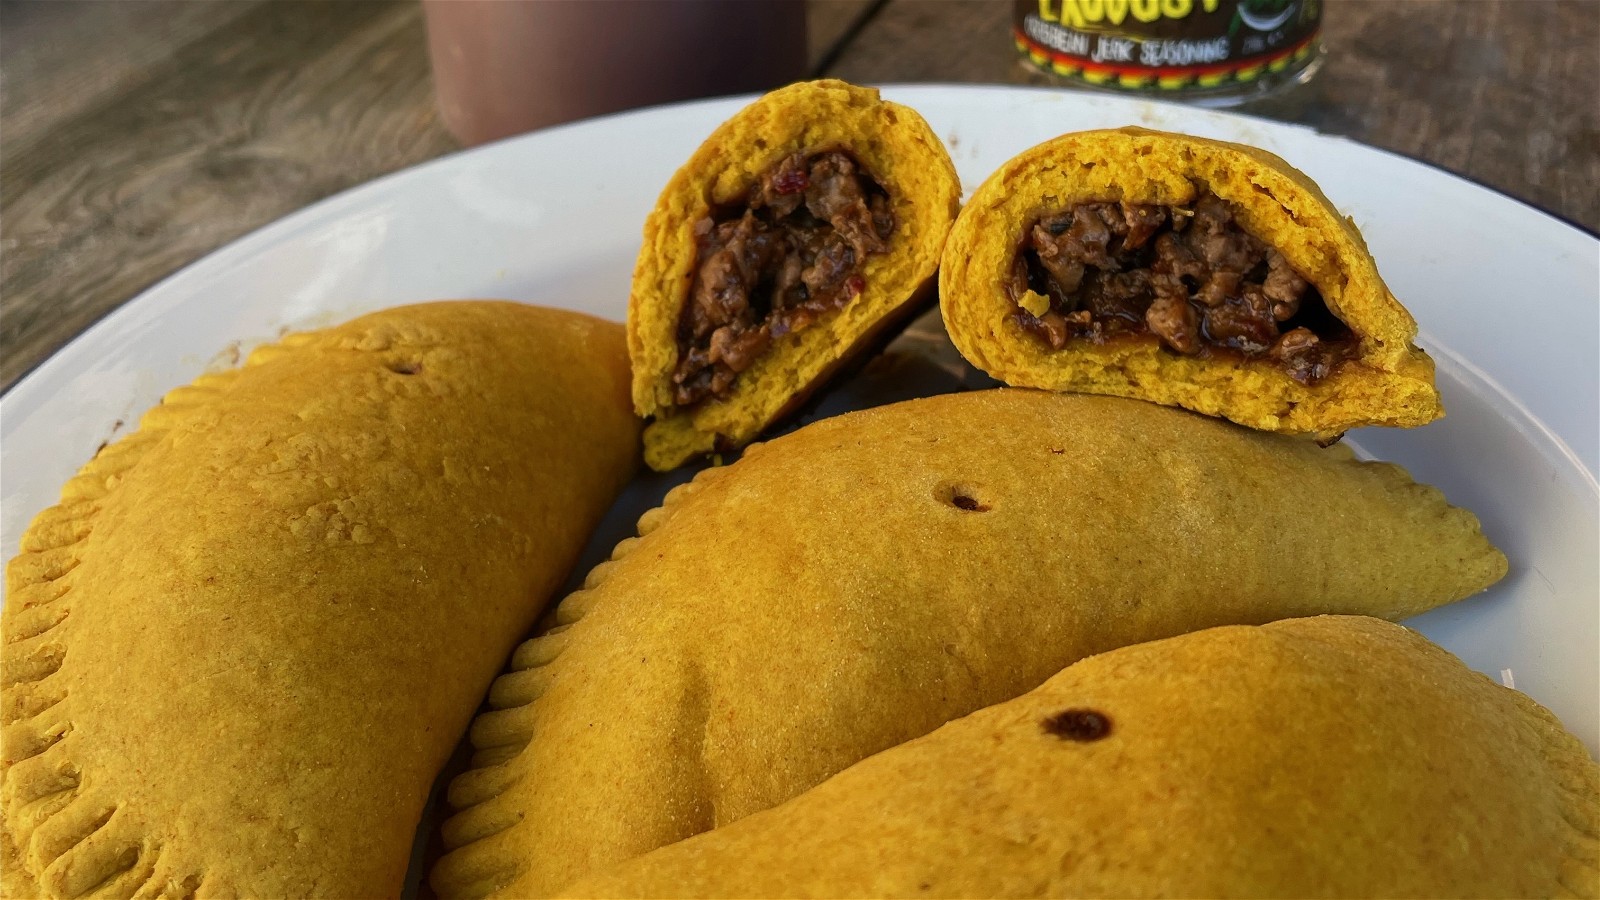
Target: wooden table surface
(136, 137)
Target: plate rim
(296, 219)
(163, 303)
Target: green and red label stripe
(1164, 77)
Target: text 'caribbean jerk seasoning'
(1217, 52)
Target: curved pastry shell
(1325, 757)
(1389, 382)
(239, 650)
(901, 152)
(867, 578)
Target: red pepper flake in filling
(1193, 278)
(775, 263)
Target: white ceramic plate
(1508, 299)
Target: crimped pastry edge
(71, 838)
(470, 868)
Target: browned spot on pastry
(406, 367)
(964, 497)
(1079, 725)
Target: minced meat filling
(775, 263)
(1193, 278)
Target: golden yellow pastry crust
(900, 151)
(239, 650)
(859, 582)
(1390, 382)
(15, 882)
(1327, 757)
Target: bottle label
(1168, 45)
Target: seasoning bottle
(1213, 52)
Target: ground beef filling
(775, 263)
(1192, 277)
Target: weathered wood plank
(138, 137)
(61, 58)
(274, 109)
(830, 22)
(194, 123)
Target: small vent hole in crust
(1082, 725)
(963, 496)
